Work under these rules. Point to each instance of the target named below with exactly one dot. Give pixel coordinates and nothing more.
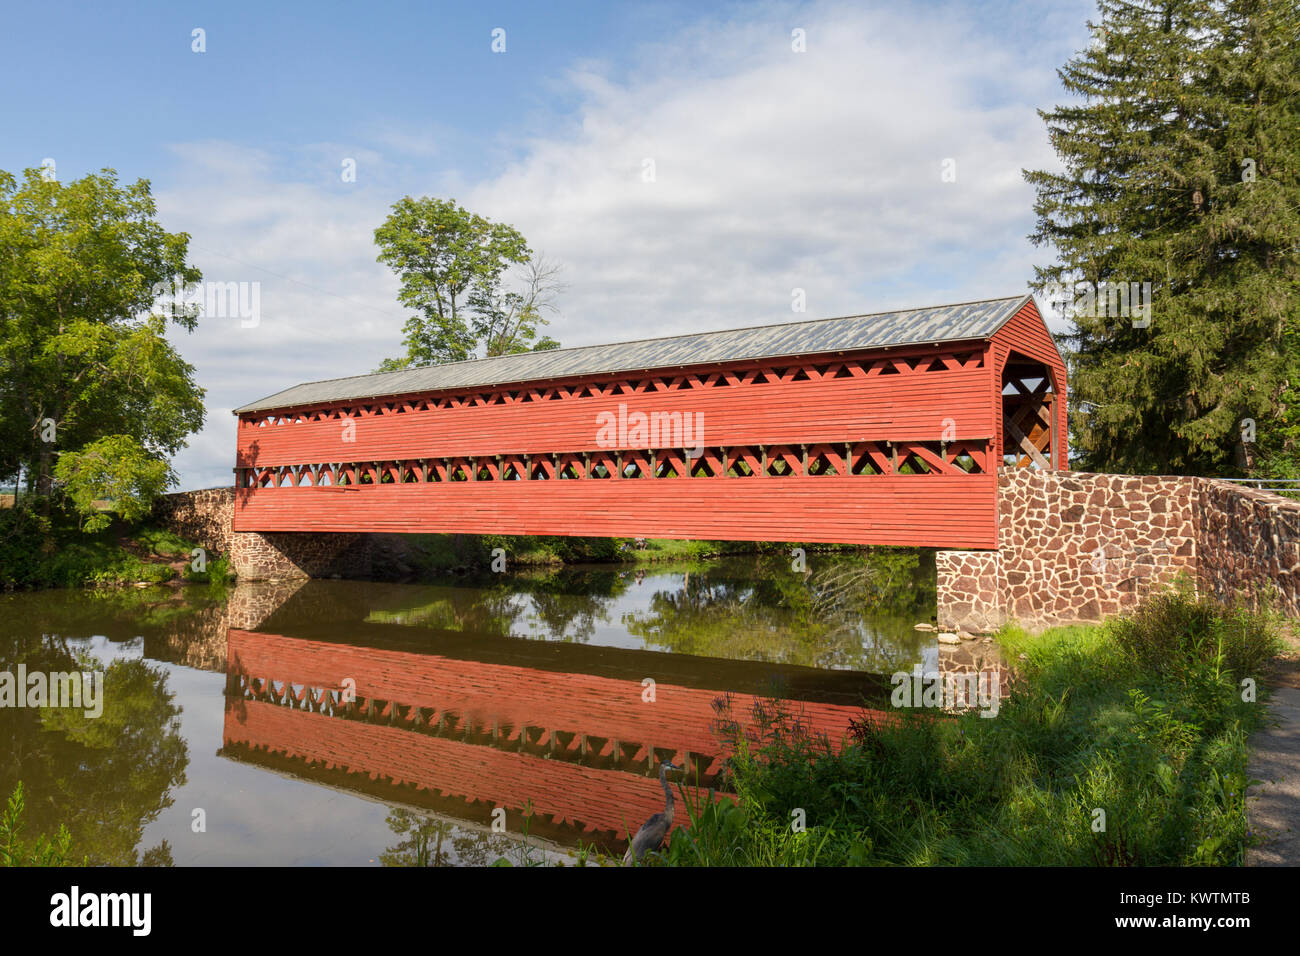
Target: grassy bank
(1123, 744)
(39, 551)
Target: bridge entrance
(1028, 414)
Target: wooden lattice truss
(1027, 415)
(818, 460)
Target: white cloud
(773, 170)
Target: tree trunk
(45, 477)
(1246, 459)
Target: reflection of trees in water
(428, 841)
(471, 610)
(169, 620)
(106, 778)
(885, 581)
(850, 610)
(565, 604)
(847, 611)
(570, 617)
(421, 843)
(557, 604)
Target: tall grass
(1122, 744)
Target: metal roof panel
(949, 323)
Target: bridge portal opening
(1028, 409)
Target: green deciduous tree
(115, 468)
(1181, 160)
(451, 263)
(86, 368)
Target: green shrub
(163, 542)
(216, 575)
(126, 568)
(44, 852)
(1171, 634)
(23, 552)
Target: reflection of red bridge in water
(470, 735)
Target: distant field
(7, 501)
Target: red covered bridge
(874, 429)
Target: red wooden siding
(919, 510)
(882, 398)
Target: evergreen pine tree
(1181, 164)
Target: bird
(652, 832)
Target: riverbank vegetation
(1123, 744)
(43, 851)
(48, 547)
(433, 553)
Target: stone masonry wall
(282, 555)
(202, 516)
(1079, 547)
(206, 517)
(1249, 545)
(970, 589)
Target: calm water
(354, 723)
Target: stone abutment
(206, 517)
(1078, 547)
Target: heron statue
(652, 832)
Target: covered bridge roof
(945, 323)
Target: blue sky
(774, 169)
(282, 75)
